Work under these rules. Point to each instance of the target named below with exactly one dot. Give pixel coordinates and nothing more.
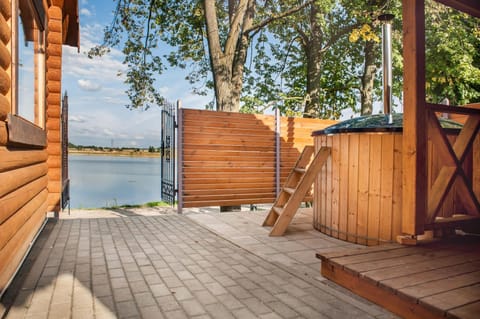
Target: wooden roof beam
(471, 7)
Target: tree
(212, 37)
(452, 55)
(317, 71)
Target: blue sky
(96, 95)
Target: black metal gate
(65, 198)
(167, 152)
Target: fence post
(277, 151)
(179, 157)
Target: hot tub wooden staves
(358, 194)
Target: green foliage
(282, 72)
(452, 55)
(139, 27)
(304, 52)
(130, 206)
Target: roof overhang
(71, 23)
(472, 7)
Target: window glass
(30, 79)
(26, 75)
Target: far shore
(128, 153)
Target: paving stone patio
(158, 264)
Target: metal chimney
(387, 64)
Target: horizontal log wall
(53, 104)
(23, 171)
(295, 134)
(229, 158)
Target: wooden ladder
(296, 186)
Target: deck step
(289, 190)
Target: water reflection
(99, 181)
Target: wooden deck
(431, 280)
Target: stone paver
(147, 264)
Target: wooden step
(296, 174)
(277, 210)
(291, 206)
(300, 170)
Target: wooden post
(179, 157)
(415, 194)
(277, 150)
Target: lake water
(100, 181)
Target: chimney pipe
(387, 64)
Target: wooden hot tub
(358, 193)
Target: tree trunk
(228, 63)
(314, 66)
(368, 77)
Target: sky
(96, 95)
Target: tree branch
(254, 29)
(235, 28)
(339, 34)
(213, 36)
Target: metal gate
(167, 152)
(65, 198)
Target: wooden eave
(71, 23)
(472, 7)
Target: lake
(101, 181)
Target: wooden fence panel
(229, 158)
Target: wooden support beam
(414, 133)
(452, 158)
(472, 7)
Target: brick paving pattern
(165, 266)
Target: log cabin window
(27, 120)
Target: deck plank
(421, 265)
(441, 286)
(440, 279)
(454, 298)
(405, 261)
(470, 311)
(421, 277)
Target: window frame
(23, 132)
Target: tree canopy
(312, 57)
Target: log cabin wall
(295, 134)
(28, 173)
(229, 158)
(23, 172)
(53, 105)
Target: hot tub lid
(378, 123)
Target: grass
(149, 204)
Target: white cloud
(76, 119)
(97, 95)
(88, 85)
(108, 132)
(85, 12)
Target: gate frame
(171, 110)
(179, 156)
